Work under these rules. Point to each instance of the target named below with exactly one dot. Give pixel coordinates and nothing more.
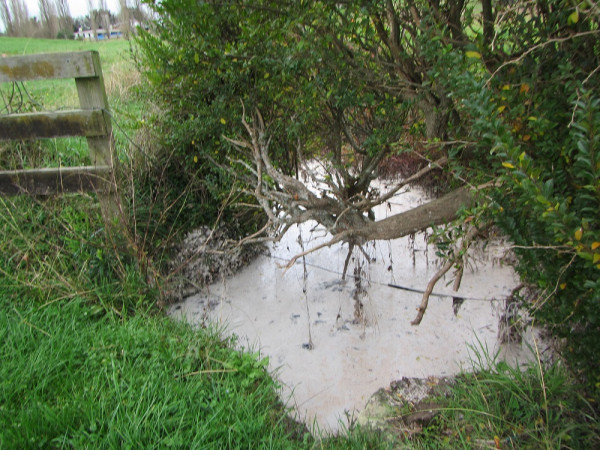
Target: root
(348, 256)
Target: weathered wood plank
(81, 122)
(55, 181)
(46, 66)
(92, 95)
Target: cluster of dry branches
(288, 201)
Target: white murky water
(281, 313)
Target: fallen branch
(456, 258)
(425, 300)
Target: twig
(334, 240)
(202, 372)
(425, 300)
(538, 46)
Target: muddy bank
(332, 343)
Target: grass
(88, 360)
(76, 376)
(499, 406)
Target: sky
(78, 7)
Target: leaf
(223, 121)
(596, 258)
(573, 18)
(508, 165)
(473, 54)
(578, 234)
(543, 200)
(595, 245)
(196, 58)
(501, 108)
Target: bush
(533, 127)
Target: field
(89, 360)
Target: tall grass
(502, 406)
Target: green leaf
(573, 18)
(473, 54)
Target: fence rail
(91, 121)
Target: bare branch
(455, 258)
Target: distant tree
(131, 14)
(6, 17)
(65, 21)
(125, 17)
(104, 19)
(92, 18)
(139, 12)
(15, 16)
(48, 18)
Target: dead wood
(456, 258)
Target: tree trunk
(435, 212)
(436, 116)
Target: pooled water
(331, 342)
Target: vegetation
(501, 96)
(75, 376)
(88, 359)
(498, 406)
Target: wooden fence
(91, 120)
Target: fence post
(92, 95)
(92, 121)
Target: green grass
(510, 407)
(110, 50)
(74, 376)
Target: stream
(332, 343)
